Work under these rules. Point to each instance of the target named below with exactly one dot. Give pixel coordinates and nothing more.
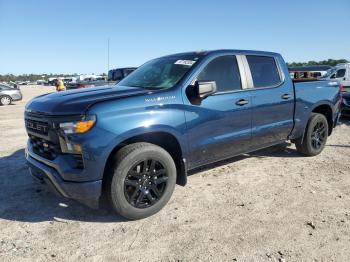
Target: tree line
(329, 62)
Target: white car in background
(9, 94)
(340, 72)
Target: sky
(71, 36)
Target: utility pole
(107, 55)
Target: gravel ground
(272, 205)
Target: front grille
(45, 140)
(38, 127)
(44, 148)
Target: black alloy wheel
(141, 180)
(318, 135)
(145, 183)
(315, 136)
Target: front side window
(161, 73)
(264, 71)
(340, 73)
(224, 71)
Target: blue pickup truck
(129, 144)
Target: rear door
(272, 100)
(220, 126)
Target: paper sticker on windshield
(185, 62)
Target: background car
(9, 94)
(115, 75)
(341, 73)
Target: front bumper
(16, 97)
(45, 171)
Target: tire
(5, 100)
(141, 180)
(315, 136)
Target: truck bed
(310, 94)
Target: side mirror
(205, 88)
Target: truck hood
(76, 102)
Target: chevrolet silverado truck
(129, 144)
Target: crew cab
(131, 143)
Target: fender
(300, 130)
(144, 131)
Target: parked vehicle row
(114, 76)
(131, 143)
(86, 83)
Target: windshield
(329, 72)
(3, 87)
(161, 73)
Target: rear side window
(340, 73)
(264, 71)
(224, 71)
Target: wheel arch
(323, 107)
(326, 110)
(166, 140)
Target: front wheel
(142, 180)
(315, 136)
(5, 100)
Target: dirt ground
(272, 205)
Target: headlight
(78, 127)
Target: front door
(220, 126)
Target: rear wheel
(315, 136)
(5, 100)
(142, 180)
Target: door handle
(286, 96)
(242, 102)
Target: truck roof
(223, 51)
(122, 68)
